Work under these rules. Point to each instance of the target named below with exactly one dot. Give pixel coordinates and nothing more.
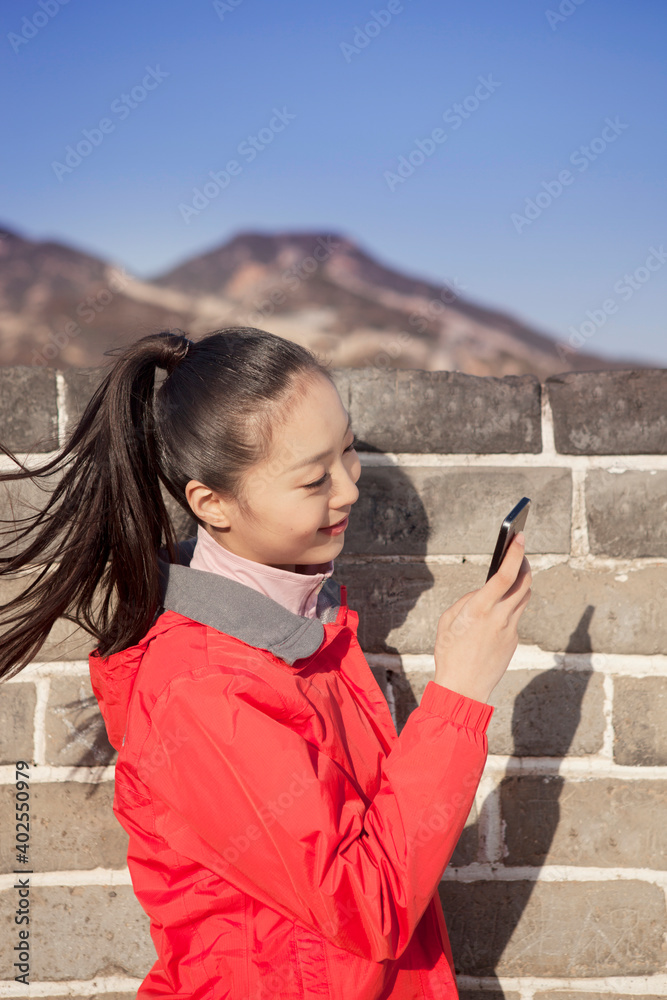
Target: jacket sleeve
(251, 799)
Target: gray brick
(562, 929)
(597, 610)
(20, 500)
(594, 995)
(598, 822)
(343, 380)
(80, 933)
(28, 409)
(407, 689)
(640, 710)
(410, 511)
(75, 732)
(17, 712)
(493, 995)
(72, 826)
(440, 411)
(547, 713)
(65, 641)
(627, 513)
(399, 604)
(574, 610)
(80, 384)
(610, 412)
(99, 996)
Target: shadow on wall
(482, 925)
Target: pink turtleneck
(295, 591)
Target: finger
(520, 585)
(501, 581)
(519, 607)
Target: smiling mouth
(338, 523)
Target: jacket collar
(242, 612)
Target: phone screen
(511, 526)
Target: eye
(322, 481)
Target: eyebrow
(318, 458)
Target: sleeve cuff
(458, 708)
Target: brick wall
(557, 886)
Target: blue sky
(336, 93)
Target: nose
(347, 492)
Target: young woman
(283, 839)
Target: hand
(477, 636)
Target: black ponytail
(93, 548)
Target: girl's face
(308, 483)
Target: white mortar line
(646, 462)
(490, 822)
(608, 713)
(533, 658)
(572, 768)
(622, 986)
(46, 668)
(525, 658)
(71, 987)
(580, 547)
(61, 397)
(43, 686)
(538, 560)
(474, 872)
(45, 773)
(547, 422)
(523, 460)
(498, 766)
(90, 876)
(477, 872)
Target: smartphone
(511, 526)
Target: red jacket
(284, 841)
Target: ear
(207, 505)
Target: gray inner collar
(242, 612)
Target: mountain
(62, 307)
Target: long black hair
(92, 550)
